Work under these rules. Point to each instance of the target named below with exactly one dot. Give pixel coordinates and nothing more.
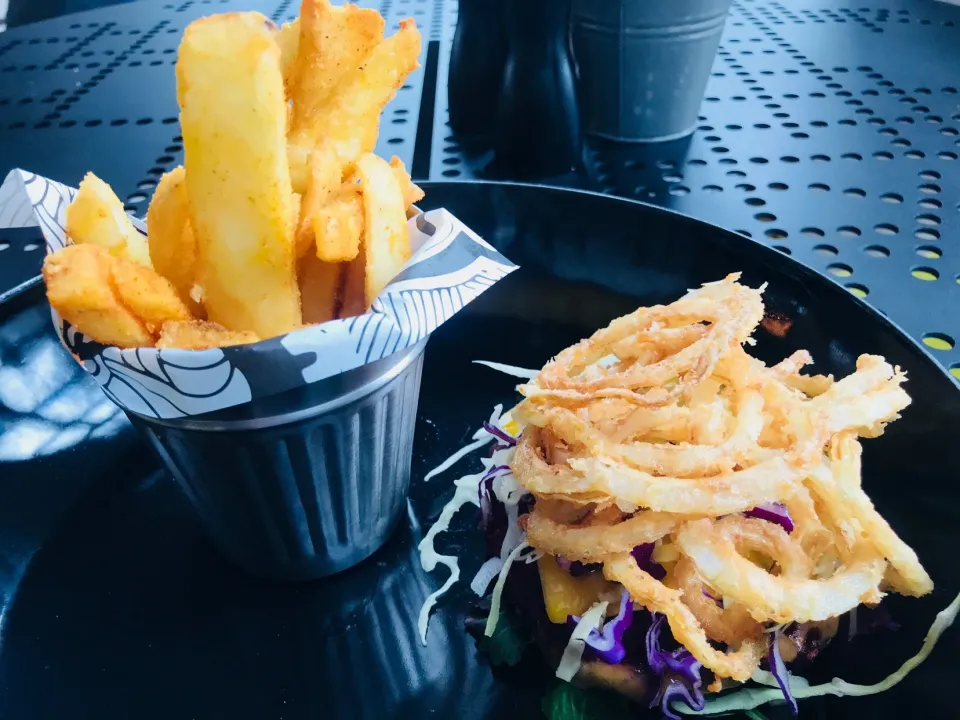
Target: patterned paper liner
(451, 266)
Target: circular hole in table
(939, 341)
(931, 252)
(839, 270)
(927, 274)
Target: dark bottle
(477, 60)
(538, 125)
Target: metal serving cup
(643, 66)
(308, 483)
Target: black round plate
(122, 609)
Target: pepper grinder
(537, 131)
(477, 59)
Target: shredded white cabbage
(498, 589)
(511, 370)
(429, 558)
(514, 534)
(507, 490)
(458, 455)
(750, 698)
(487, 572)
(573, 653)
(766, 678)
(481, 438)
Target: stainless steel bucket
(643, 66)
(310, 484)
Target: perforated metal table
(829, 130)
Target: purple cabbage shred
(607, 644)
(772, 512)
(778, 669)
(676, 690)
(504, 437)
(678, 670)
(643, 554)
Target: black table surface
(829, 130)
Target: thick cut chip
(333, 41)
(319, 288)
(96, 217)
(338, 225)
(411, 192)
(289, 41)
(200, 335)
(233, 120)
(173, 248)
(351, 115)
(386, 243)
(80, 288)
(317, 210)
(111, 300)
(151, 297)
(354, 292)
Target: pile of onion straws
(721, 495)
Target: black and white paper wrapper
(450, 266)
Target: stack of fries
(280, 216)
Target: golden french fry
(319, 288)
(288, 38)
(173, 249)
(233, 121)
(79, 287)
(96, 216)
(298, 159)
(338, 225)
(334, 41)
(148, 295)
(326, 170)
(351, 115)
(201, 335)
(113, 300)
(354, 292)
(411, 192)
(386, 243)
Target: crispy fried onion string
(782, 598)
(660, 428)
(657, 597)
(593, 543)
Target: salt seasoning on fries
(721, 495)
(281, 215)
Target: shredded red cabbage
(607, 644)
(643, 554)
(577, 568)
(679, 673)
(779, 669)
(676, 690)
(773, 512)
(485, 493)
(504, 437)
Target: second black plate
(116, 605)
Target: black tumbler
(538, 127)
(477, 60)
